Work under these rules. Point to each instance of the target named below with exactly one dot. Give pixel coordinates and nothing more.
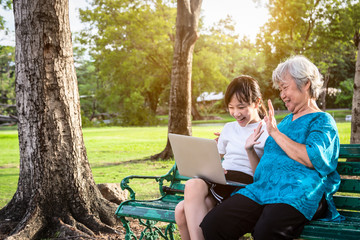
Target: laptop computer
(198, 157)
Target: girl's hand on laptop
(225, 171)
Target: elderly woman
(296, 177)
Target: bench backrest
(345, 198)
(348, 195)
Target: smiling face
(295, 99)
(244, 113)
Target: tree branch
(10, 118)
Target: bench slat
(149, 213)
(351, 216)
(157, 210)
(349, 185)
(349, 151)
(349, 168)
(347, 202)
(330, 232)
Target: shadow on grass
(141, 160)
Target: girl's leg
(180, 219)
(197, 203)
(231, 219)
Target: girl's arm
(249, 147)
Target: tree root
(75, 224)
(66, 232)
(32, 223)
(84, 223)
(104, 208)
(97, 226)
(13, 211)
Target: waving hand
(270, 120)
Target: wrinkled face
(244, 113)
(292, 96)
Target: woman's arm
(294, 150)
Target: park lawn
(113, 153)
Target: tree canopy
(126, 73)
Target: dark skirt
(221, 192)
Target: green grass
(113, 153)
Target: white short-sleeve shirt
(232, 141)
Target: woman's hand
(294, 150)
(270, 120)
(251, 141)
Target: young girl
(241, 144)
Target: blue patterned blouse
(279, 179)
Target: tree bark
(324, 92)
(194, 111)
(56, 190)
(355, 120)
(188, 13)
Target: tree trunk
(355, 120)
(188, 13)
(56, 190)
(324, 92)
(194, 112)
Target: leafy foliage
(319, 29)
(344, 99)
(7, 80)
(131, 44)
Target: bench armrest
(160, 179)
(125, 183)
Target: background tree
(7, 78)
(7, 81)
(88, 83)
(219, 56)
(187, 20)
(56, 189)
(351, 24)
(211, 54)
(131, 43)
(345, 97)
(355, 121)
(313, 28)
(6, 4)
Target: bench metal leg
(170, 228)
(151, 231)
(129, 234)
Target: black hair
(246, 89)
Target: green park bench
(149, 212)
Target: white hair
(301, 70)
